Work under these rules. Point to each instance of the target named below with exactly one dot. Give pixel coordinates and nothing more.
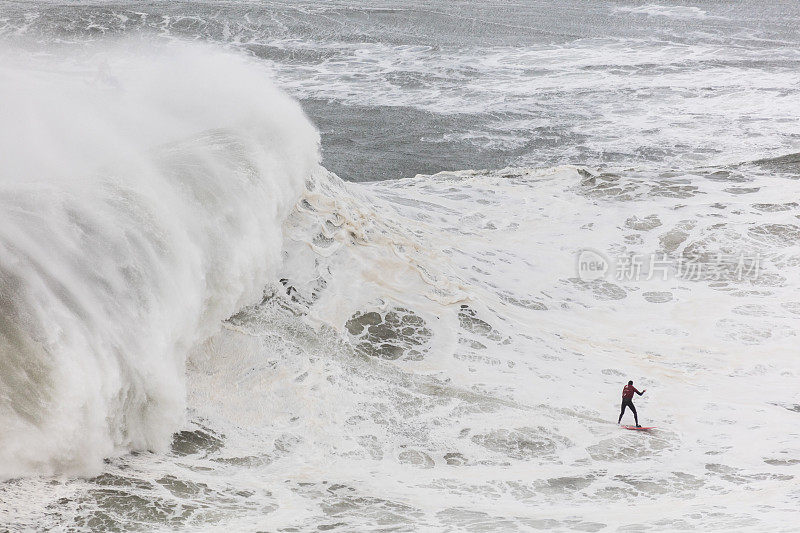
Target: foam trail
(141, 201)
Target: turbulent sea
(370, 266)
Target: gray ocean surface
(421, 87)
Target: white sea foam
(142, 195)
(480, 380)
(656, 10)
(434, 358)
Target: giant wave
(142, 196)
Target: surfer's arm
(640, 392)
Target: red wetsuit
(627, 401)
(627, 392)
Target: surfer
(627, 401)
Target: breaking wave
(141, 196)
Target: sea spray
(141, 200)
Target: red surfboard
(639, 428)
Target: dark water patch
(119, 503)
(727, 176)
(643, 224)
(671, 240)
(635, 446)
(674, 190)
(657, 297)
(751, 310)
(563, 525)
(342, 505)
(773, 208)
(783, 235)
(785, 164)
(455, 459)
(742, 190)
(678, 483)
(290, 54)
(182, 488)
(114, 480)
(634, 239)
(395, 334)
(198, 441)
(247, 461)
(607, 185)
(120, 510)
(527, 303)
(735, 475)
(791, 407)
(743, 332)
(476, 521)
(782, 462)
(469, 321)
(416, 458)
(557, 487)
(563, 485)
(369, 143)
(600, 289)
(522, 443)
(644, 486)
(727, 473)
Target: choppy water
(204, 329)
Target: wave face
(141, 196)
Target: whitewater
(334, 267)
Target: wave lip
(142, 204)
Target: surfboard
(639, 428)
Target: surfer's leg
(622, 412)
(635, 416)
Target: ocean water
(364, 266)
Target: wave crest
(142, 201)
